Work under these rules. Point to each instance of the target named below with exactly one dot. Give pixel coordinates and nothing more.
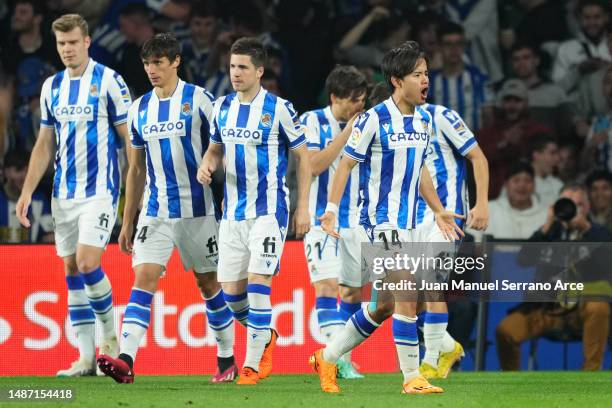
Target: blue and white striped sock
(433, 334)
(348, 309)
(258, 323)
(221, 321)
(135, 321)
(239, 305)
(328, 316)
(359, 327)
(407, 345)
(100, 295)
(82, 318)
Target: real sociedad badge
(186, 109)
(93, 90)
(266, 120)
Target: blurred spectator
(531, 29)
(567, 167)
(386, 30)
(247, 20)
(544, 158)
(91, 10)
(270, 82)
(480, 21)
(108, 42)
(27, 40)
(510, 135)
(460, 86)
(548, 102)
(587, 319)
(203, 28)
(426, 33)
(599, 184)
(517, 213)
(590, 98)
(216, 74)
(586, 53)
(597, 152)
(29, 57)
(135, 23)
(6, 107)
(11, 231)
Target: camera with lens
(565, 209)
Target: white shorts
(352, 272)
(87, 221)
(250, 246)
(322, 255)
(195, 238)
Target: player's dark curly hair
(401, 61)
(253, 48)
(346, 81)
(161, 45)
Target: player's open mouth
(424, 92)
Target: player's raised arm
(479, 214)
(321, 160)
(363, 131)
(445, 219)
(341, 176)
(39, 162)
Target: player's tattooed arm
(341, 176)
(444, 219)
(134, 188)
(301, 217)
(39, 162)
(479, 215)
(210, 162)
(321, 160)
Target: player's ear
(176, 62)
(259, 71)
(396, 82)
(87, 41)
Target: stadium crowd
(537, 96)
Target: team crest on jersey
(266, 120)
(425, 124)
(93, 90)
(186, 108)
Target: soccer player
(391, 141)
(85, 108)
(169, 129)
(332, 261)
(452, 143)
(254, 129)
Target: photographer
(567, 220)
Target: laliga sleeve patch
(355, 136)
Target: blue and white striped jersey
(466, 93)
(321, 128)
(392, 147)
(446, 162)
(84, 112)
(256, 137)
(174, 132)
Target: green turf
(490, 390)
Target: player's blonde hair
(69, 22)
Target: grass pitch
(492, 389)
